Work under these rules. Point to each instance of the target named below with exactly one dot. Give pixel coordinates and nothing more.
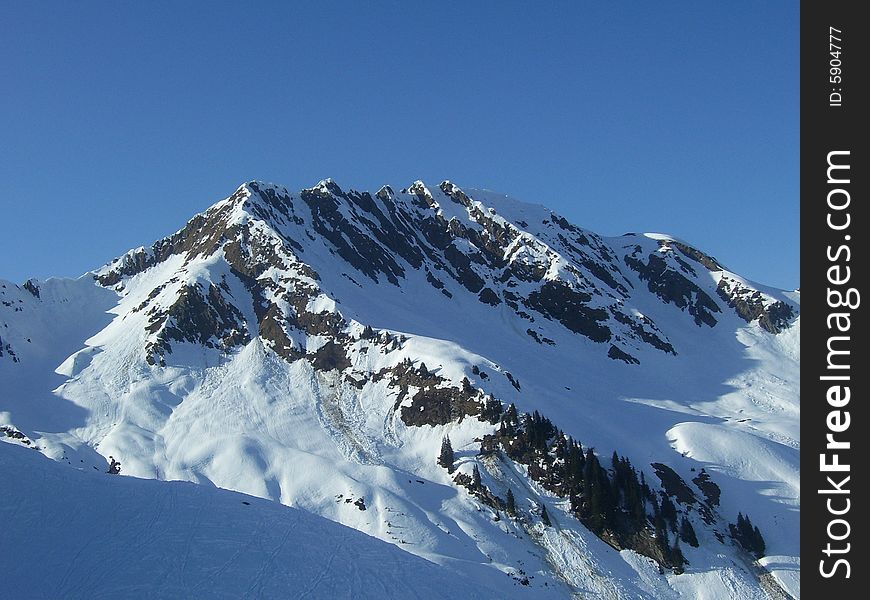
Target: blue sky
(120, 120)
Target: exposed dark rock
(618, 354)
(527, 271)
(385, 193)
(151, 296)
(360, 250)
(674, 288)
(674, 484)
(558, 301)
(751, 304)
(14, 434)
(642, 333)
(488, 296)
(389, 230)
(208, 320)
(31, 287)
(202, 235)
(439, 406)
(465, 274)
(454, 193)
(322, 323)
(434, 281)
(330, 356)
(562, 222)
(424, 197)
(434, 403)
(7, 349)
(776, 317)
(511, 299)
(513, 381)
(273, 333)
(435, 231)
(479, 372)
(708, 261)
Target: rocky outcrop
(569, 306)
(204, 318)
(262, 231)
(674, 287)
(751, 305)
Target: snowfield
(78, 533)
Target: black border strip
(834, 229)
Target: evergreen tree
(475, 479)
(635, 504)
(599, 507)
(644, 488)
(559, 448)
(687, 533)
(424, 372)
(492, 410)
(659, 522)
(545, 518)
(446, 457)
(747, 535)
(758, 542)
(510, 504)
(669, 511)
(511, 419)
(676, 554)
(574, 463)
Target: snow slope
(235, 354)
(69, 533)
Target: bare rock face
(674, 287)
(200, 318)
(561, 273)
(751, 305)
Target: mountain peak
(328, 185)
(316, 347)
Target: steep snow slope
(81, 534)
(263, 348)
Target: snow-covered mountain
(613, 404)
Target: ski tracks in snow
(269, 565)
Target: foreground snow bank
(75, 534)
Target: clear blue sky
(120, 120)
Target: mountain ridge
(348, 332)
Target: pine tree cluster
(748, 535)
(446, 457)
(511, 503)
(616, 504)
